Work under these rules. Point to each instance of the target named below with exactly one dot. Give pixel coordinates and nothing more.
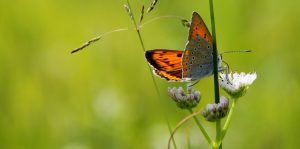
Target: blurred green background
(103, 97)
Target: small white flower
(236, 84)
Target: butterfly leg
(192, 84)
(221, 69)
(227, 69)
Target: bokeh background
(104, 98)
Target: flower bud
(213, 112)
(184, 100)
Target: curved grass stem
(207, 137)
(162, 17)
(95, 39)
(192, 115)
(142, 44)
(170, 131)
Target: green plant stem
(227, 122)
(143, 47)
(208, 139)
(215, 62)
(188, 140)
(136, 28)
(219, 133)
(170, 131)
(215, 52)
(162, 17)
(144, 50)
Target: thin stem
(215, 62)
(95, 39)
(183, 121)
(215, 52)
(219, 132)
(141, 40)
(227, 122)
(188, 139)
(162, 17)
(136, 28)
(170, 130)
(143, 46)
(208, 139)
(144, 50)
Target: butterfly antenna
(227, 70)
(227, 67)
(236, 51)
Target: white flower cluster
(236, 84)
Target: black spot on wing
(149, 57)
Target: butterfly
(194, 63)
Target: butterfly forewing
(198, 28)
(167, 63)
(197, 59)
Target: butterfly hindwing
(197, 59)
(174, 75)
(167, 63)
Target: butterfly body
(194, 63)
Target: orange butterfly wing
(167, 63)
(198, 28)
